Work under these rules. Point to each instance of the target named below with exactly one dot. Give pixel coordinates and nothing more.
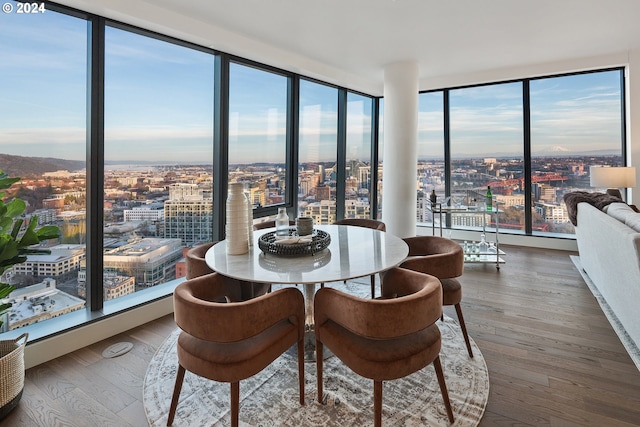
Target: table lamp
(612, 178)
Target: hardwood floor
(553, 358)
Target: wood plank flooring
(553, 358)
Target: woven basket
(11, 373)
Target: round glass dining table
(353, 252)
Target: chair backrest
(363, 222)
(269, 224)
(196, 264)
(200, 311)
(413, 302)
(440, 257)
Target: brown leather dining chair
(269, 224)
(232, 341)
(386, 338)
(366, 223)
(444, 259)
(197, 266)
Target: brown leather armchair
(363, 222)
(444, 259)
(197, 266)
(367, 223)
(229, 342)
(270, 224)
(383, 339)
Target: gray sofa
(609, 247)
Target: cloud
(154, 133)
(28, 136)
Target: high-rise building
(357, 209)
(323, 192)
(150, 261)
(35, 303)
(188, 215)
(144, 213)
(555, 213)
(61, 263)
(322, 212)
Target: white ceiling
(349, 42)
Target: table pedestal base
(309, 334)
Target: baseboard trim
(47, 349)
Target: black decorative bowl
(269, 245)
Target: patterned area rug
(270, 398)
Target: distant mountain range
(35, 166)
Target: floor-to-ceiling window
(531, 141)
(358, 157)
(158, 155)
(487, 150)
(317, 151)
(43, 81)
(258, 137)
(380, 148)
(576, 122)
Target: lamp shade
(612, 177)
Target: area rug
(626, 340)
(270, 398)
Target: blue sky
(569, 114)
(159, 105)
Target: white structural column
(399, 172)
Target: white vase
(236, 225)
(249, 219)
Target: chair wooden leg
(373, 286)
(235, 403)
(176, 394)
(319, 361)
(464, 329)
(443, 388)
(301, 369)
(377, 403)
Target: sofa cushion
(633, 221)
(620, 211)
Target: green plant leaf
(48, 232)
(16, 228)
(6, 263)
(28, 238)
(8, 248)
(5, 290)
(5, 222)
(37, 251)
(6, 182)
(15, 208)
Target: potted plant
(15, 245)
